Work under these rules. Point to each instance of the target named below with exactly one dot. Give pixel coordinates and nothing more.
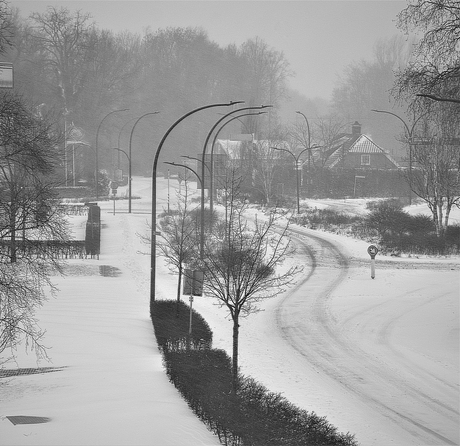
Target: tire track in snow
(306, 323)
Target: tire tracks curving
(306, 323)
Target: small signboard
(193, 283)
(6, 75)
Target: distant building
(358, 151)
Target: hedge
(253, 416)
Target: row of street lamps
(203, 165)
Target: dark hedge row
(252, 416)
(171, 322)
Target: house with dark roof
(358, 151)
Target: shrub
(171, 321)
(388, 217)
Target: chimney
(356, 128)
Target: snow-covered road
(378, 358)
(359, 348)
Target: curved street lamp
(203, 163)
(196, 159)
(296, 166)
(154, 192)
(409, 132)
(308, 146)
(186, 167)
(97, 152)
(211, 183)
(130, 179)
(119, 137)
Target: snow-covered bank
(112, 389)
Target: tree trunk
(236, 328)
(178, 290)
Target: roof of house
(355, 144)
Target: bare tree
(27, 216)
(179, 230)
(6, 26)
(265, 163)
(435, 65)
(242, 262)
(435, 178)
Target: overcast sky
(318, 38)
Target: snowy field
(379, 358)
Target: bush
(325, 218)
(388, 217)
(171, 321)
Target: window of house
(365, 160)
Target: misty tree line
(80, 72)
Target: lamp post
(308, 146)
(127, 156)
(296, 166)
(97, 152)
(409, 132)
(154, 192)
(130, 179)
(203, 163)
(119, 138)
(211, 170)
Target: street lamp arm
(130, 175)
(137, 121)
(97, 152)
(228, 122)
(409, 132)
(121, 150)
(285, 150)
(106, 116)
(196, 159)
(186, 167)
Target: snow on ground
(399, 334)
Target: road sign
(372, 250)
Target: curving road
(359, 351)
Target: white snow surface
(378, 358)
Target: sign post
(193, 286)
(114, 187)
(372, 250)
